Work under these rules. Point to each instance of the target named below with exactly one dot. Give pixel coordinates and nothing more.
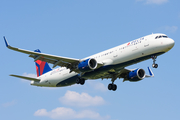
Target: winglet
(7, 45)
(150, 73)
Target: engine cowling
(87, 65)
(136, 75)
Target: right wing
(123, 74)
(70, 63)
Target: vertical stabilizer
(41, 66)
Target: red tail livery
(41, 66)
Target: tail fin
(41, 66)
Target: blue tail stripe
(46, 68)
(42, 66)
(38, 68)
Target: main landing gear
(112, 86)
(80, 81)
(154, 65)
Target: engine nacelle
(87, 65)
(136, 75)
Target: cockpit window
(165, 36)
(161, 36)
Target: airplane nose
(171, 43)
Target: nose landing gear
(154, 65)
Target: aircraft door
(146, 43)
(115, 53)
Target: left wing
(70, 63)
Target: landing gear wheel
(114, 87)
(78, 80)
(82, 81)
(110, 86)
(155, 65)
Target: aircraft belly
(59, 79)
(67, 79)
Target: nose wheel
(154, 65)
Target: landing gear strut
(80, 81)
(154, 65)
(113, 86)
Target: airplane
(110, 63)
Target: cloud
(8, 104)
(73, 98)
(30, 75)
(97, 86)
(157, 2)
(68, 113)
(179, 16)
(171, 29)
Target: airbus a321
(110, 63)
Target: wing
(123, 74)
(70, 63)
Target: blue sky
(78, 29)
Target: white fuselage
(117, 57)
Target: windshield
(161, 36)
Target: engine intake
(136, 75)
(87, 65)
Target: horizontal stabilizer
(27, 78)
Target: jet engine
(136, 75)
(87, 65)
